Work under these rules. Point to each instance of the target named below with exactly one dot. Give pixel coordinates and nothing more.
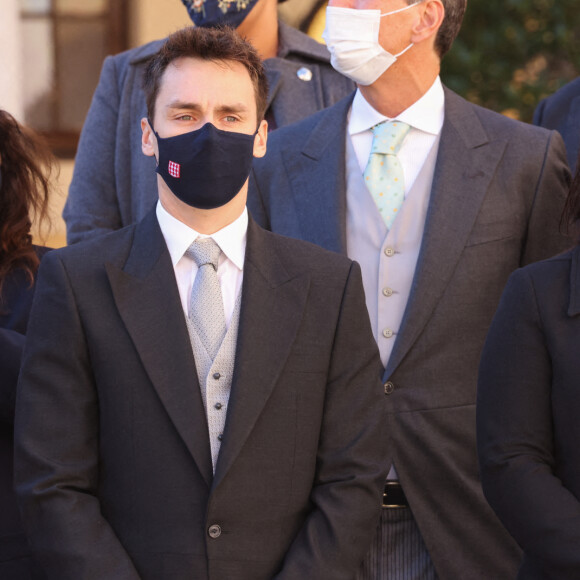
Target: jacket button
(214, 531)
(216, 376)
(389, 387)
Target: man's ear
(148, 139)
(260, 140)
(432, 14)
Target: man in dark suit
(482, 195)
(113, 183)
(561, 112)
(155, 440)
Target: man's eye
(231, 119)
(185, 118)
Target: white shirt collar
(426, 114)
(178, 237)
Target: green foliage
(511, 54)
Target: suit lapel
(272, 303)
(274, 82)
(317, 172)
(147, 297)
(466, 163)
(574, 304)
(572, 134)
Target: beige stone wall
(153, 19)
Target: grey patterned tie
(206, 307)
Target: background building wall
(10, 60)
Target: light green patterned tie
(384, 173)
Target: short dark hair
(213, 44)
(447, 33)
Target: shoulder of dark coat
(294, 135)
(299, 44)
(550, 268)
(112, 247)
(299, 255)
(562, 97)
(495, 124)
(139, 54)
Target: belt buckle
(393, 496)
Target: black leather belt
(394, 496)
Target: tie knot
(204, 251)
(388, 137)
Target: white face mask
(352, 37)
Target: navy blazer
(528, 416)
(561, 112)
(115, 185)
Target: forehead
(194, 79)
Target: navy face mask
(205, 168)
(212, 13)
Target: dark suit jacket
(561, 111)
(114, 184)
(17, 294)
(498, 190)
(113, 466)
(528, 416)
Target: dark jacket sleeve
(352, 464)
(56, 442)
(11, 345)
(92, 206)
(515, 429)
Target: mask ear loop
(152, 127)
(401, 10)
(403, 51)
(156, 136)
(395, 12)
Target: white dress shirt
(425, 117)
(230, 271)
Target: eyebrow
(239, 107)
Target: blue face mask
(205, 168)
(212, 13)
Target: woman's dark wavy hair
(26, 164)
(571, 214)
